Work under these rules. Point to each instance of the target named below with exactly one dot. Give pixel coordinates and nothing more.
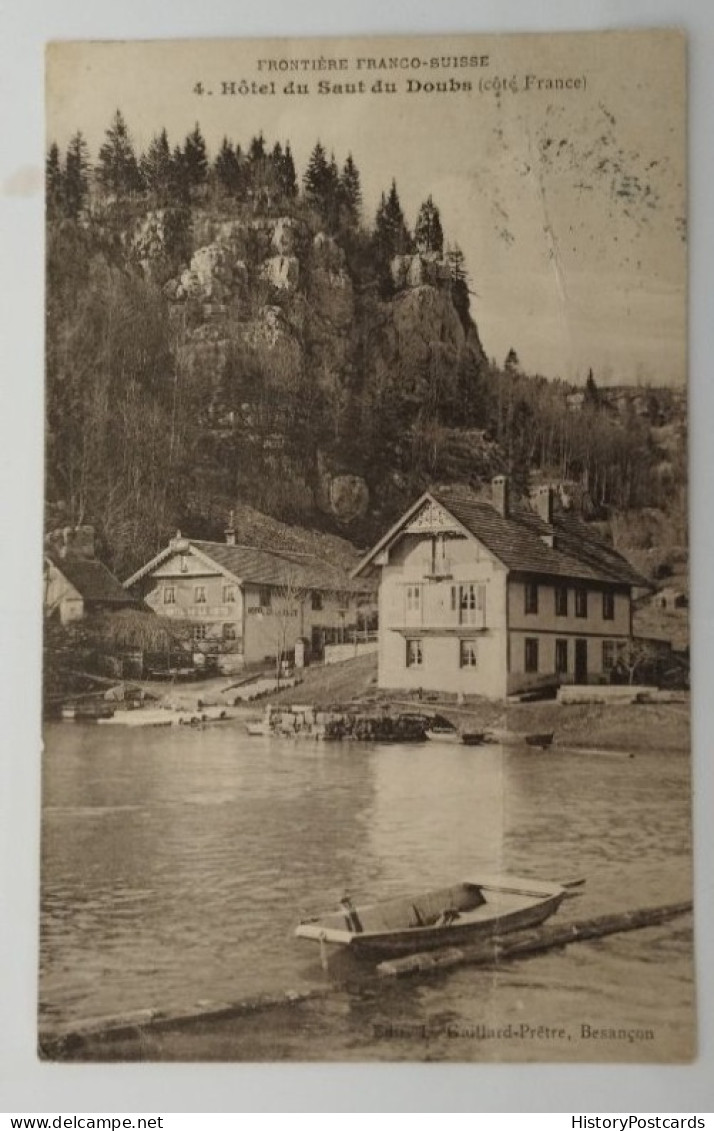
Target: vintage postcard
(366, 576)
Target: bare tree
(635, 654)
(288, 604)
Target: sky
(569, 205)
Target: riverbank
(352, 685)
(613, 726)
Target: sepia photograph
(366, 586)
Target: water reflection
(176, 863)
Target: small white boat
(467, 912)
(258, 729)
(443, 734)
(452, 735)
(261, 727)
(166, 717)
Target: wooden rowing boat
(439, 729)
(471, 911)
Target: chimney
(544, 504)
(500, 494)
(230, 531)
(74, 542)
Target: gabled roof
(269, 567)
(93, 581)
(256, 566)
(520, 541)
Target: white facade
(240, 620)
(61, 596)
(454, 618)
(445, 627)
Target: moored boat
(440, 729)
(470, 911)
(443, 734)
(90, 711)
(258, 730)
(542, 740)
(473, 737)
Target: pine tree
(118, 170)
(401, 239)
(391, 235)
(592, 393)
(317, 177)
(459, 282)
(350, 192)
(195, 161)
(227, 169)
(288, 178)
(428, 233)
(76, 176)
(258, 171)
(512, 364)
(256, 152)
(178, 178)
(155, 168)
(54, 181)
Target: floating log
(62, 1043)
(545, 938)
(59, 1043)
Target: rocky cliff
(301, 362)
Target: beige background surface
(24, 1084)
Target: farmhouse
(76, 584)
(490, 598)
(246, 605)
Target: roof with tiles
(93, 581)
(522, 540)
(518, 541)
(267, 567)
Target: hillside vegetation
(225, 334)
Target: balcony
(423, 608)
(439, 570)
(436, 622)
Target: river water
(177, 862)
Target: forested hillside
(225, 330)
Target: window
(608, 605)
(471, 600)
(561, 600)
(229, 632)
(316, 600)
(468, 654)
(264, 597)
(199, 632)
(229, 594)
(415, 655)
(581, 602)
(169, 595)
(531, 654)
(531, 597)
(609, 655)
(561, 657)
(413, 598)
(184, 564)
(199, 594)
